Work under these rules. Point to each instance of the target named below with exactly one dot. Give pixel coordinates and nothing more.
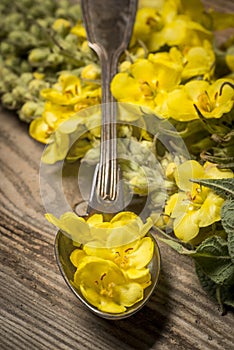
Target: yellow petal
(210, 210)
(186, 171)
(107, 305)
(143, 70)
(186, 227)
(125, 88)
(212, 172)
(122, 235)
(40, 130)
(141, 276)
(95, 219)
(72, 224)
(176, 205)
(76, 256)
(129, 294)
(123, 217)
(142, 254)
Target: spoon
(109, 26)
(63, 249)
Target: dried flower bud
(38, 55)
(6, 48)
(30, 110)
(54, 59)
(36, 85)
(22, 39)
(25, 78)
(8, 101)
(91, 72)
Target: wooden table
(39, 312)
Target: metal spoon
(109, 26)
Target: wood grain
(38, 311)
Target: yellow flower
(112, 259)
(122, 229)
(61, 25)
(198, 61)
(104, 285)
(195, 206)
(90, 72)
(148, 80)
(179, 31)
(171, 23)
(133, 258)
(205, 96)
(147, 20)
(79, 30)
(68, 96)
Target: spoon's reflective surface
(63, 248)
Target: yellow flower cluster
(170, 68)
(111, 259)
(68, 96)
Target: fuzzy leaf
(223, 294)
(223, 187)
(207, 284)
(213, 258)
(227, 217)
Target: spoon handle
(108, 25)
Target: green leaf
(227, 217)
(223, 187)
(214, 260)
(177, 246)
(207, 284)
(223, 294)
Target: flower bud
(6, 48)
(61, 26)
(22, 39)
(25, 78)
(9, 102)
(91, 72)
(54, 59)
(30, 110)
(38, 55)
(36, 85)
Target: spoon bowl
(63, 248)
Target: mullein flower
(199, 61)
(105, 286)
(211, 99)
(123, 228)
(194, 206)
(148, 81)
(112, 258)
(132, 258)
(173, 23)
(63, 100)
